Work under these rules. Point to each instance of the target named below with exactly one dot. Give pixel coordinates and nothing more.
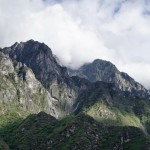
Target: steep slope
(74, 133)
(100, 70)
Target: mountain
(62, 90)
(97, 97)
(101, 70)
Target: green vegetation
(113, 116)
(3, 145)
(111, 108)
(75, 132)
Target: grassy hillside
(42, 131)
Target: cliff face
(20, 89)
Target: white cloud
(80, 31)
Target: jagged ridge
(101, 70)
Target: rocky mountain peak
(103, 63)
(38, 57)
(25, 50)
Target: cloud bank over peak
(80, 31)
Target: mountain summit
(38, 57)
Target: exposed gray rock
(20, 88)
(6, 66)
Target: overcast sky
(80, 31)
